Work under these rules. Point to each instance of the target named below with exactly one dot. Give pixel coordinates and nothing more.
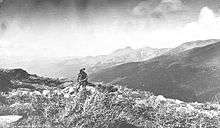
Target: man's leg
(79, 84)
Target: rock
(161, 98)
(35, 93)
(5, 120)
(46, 92)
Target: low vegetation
(105, 106)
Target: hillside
(102, 106)
(53, 103)
(190, 74)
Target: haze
(63, 28)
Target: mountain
(122, 56)
(190, 72)
(69, 67)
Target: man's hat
(83, 69)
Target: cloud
(171, 9)
(207, 26)
(160, 9)
(143, 8)
(167, 6)
(207, 16)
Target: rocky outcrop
(19, 78)
(18, 74)
(5, 83)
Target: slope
(189, 75)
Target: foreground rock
(6, 120)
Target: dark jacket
(82, 76)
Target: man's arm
(85, 79)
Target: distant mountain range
(69, 67)
(190, 72)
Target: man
(82, 78)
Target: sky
(63, 28)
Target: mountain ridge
(69, 67)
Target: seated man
(82, 78)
